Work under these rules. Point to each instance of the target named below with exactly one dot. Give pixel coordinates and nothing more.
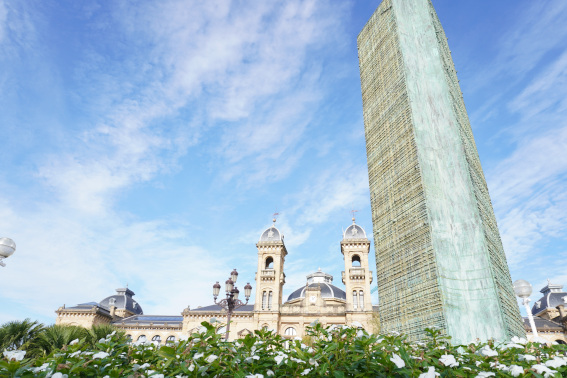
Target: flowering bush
(333, 351)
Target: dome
(272, 234)
(354, 231)
(322, 280)
(553, 296)
(327, 291)
(122, 300)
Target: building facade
(550, 315)
(440, 260)
(318, 301)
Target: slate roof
(215, 308)
(542, 324)
(327, 291)
(171, 320)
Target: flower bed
(333, 351)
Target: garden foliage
(332, 351)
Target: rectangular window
(354, 300)
(270, 301)
(361, 299)
(264, 300)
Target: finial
(319, 269)
(275, 217)
(353, 218)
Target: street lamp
(231, 302)
(7, 248)
(523, 289)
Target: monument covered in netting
(440, 260)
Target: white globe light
(522, 288)
(7, 247)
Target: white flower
(296, 360)
(269, 373)
(17, 355)
(198, 355)
(279, 358)
(40, 368)
(255, 376)
(75, 354)
(486, 351)
(158, 376)
(430, 373)
(74, 342)
(515, 370)
(101, 355)
(526, 357)
(313, 361)
(306, 371)
(106, 376)
(181, 376)
(102, 341)
(59, 375)
(519, 340)
(191, 367)
(398, 361)
(211, 358)
(542, 369)
(449, 360)
(484, 374)
(112, 334)
(249, 359)
(556, 362)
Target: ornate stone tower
(357, 276)
(440, 260)
(270, 278)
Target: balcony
(267, 274)
(357, 274)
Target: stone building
(550, 314)
(440, 260)
(318, 300)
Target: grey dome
(122, 300)
(553, 296)
(354, 231)
(272, 234)
(327, 291)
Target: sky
(149, 144)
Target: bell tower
(357, 277)
(270, 277)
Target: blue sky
(149, 143)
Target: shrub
(334, 351)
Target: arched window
(560, 342)
(361, 299)
(129, 338)
(356, 260)
(264, 300)
(112, 301)
(269, 263)
(142, 338)
(290, 331)
(170, 340)
(157, 338)
(270, 300)
(354, 300)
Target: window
(269, 263)
(264, 300)
(361, 299)
(354, 300)
(170, 340)
(112, 301)
(129, 338)
(270, 301)
(290, 331)
(142, 338)
(356, 260)
(157, 339)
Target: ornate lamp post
(231, 302)
(7, 248)
(523, 289)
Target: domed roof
(122, 300)
(553, 296)
(322, 280)
(327, 291)
(354, 231)
(272, 234)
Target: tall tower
(270, 278)
(440, 260)
(357, 276)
